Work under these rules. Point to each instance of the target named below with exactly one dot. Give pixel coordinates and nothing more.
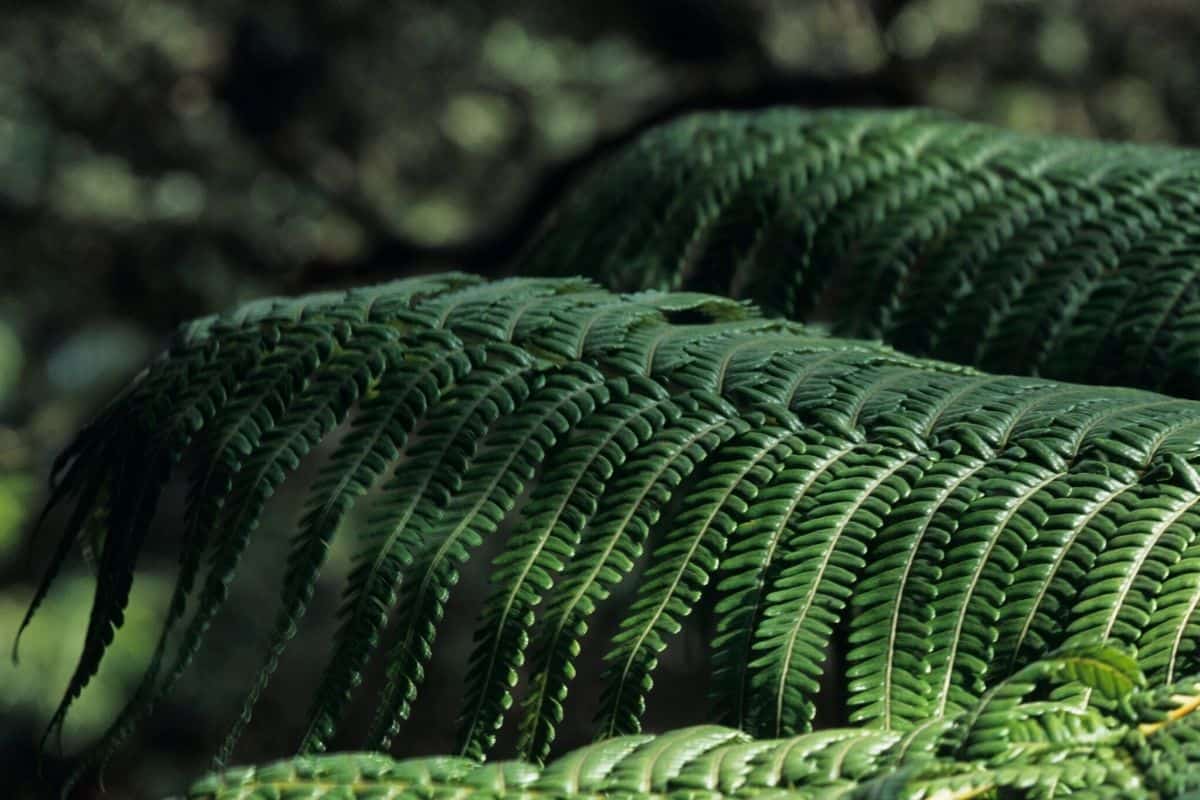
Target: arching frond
(1015, 253)
(914, 531)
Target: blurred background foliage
(161, 160)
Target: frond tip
(913, 531)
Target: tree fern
(950, 555)
(809, 485)
(1015, 253)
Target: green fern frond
(824, 553)
(389, 406)
(939, 528)
(453, 419)
(608, 549)
(1009, 744)
(547, 535)
(1016, 253)
(681, 564)
(890, 638)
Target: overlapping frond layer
(1073, 259)
(1009, 744)
(870, 527)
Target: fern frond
(433, 469)
(825, 552)
(986, 549)
(1078, 525)
(890, 640)
(608, 549)
(391, 401)
(681, 564)
(911, 530)
(751, 567)
(508, 458)
(546, 537)
(1015, 253)
(1009, 744)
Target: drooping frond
(1010, 743)
(912, 530)
(1015, 253)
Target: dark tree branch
(489, 254)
